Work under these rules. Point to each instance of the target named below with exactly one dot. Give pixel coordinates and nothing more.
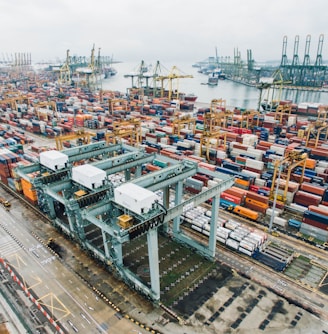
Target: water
(236, 95)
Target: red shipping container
(235, 191)
(306, 199)
(230, 198)
(149, 149)
(152, 168)
(315, 224)
(297, 178)
(202, 178)
(254, 188)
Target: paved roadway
(69, 300)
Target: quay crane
(276, 81)
(173, 75)
(65, 71)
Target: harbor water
(235, 94)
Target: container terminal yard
(132, 213)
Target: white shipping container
(222, 235)
(231, 225)
(320, 169)
(221, 154)
(280, 221)
(211, 183)
(298, 207)
(54, 160)
(222, 240)
(312, 230)
(196, 228)
(247, 245)
(232, 243)
(134, 197)
(252, 241)
(276, 212)
(259, 165)
(291, 120)
(236, 236)
(260, 182)
(245, 251)
(322, 163)
(278, 149)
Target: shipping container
(245, 212)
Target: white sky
(164, 30)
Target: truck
(5, 203)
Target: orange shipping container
(310, 163)
(28, 190)
(235, 191)
(319, 210)
(256, 203)
(310, 188)
(244, 183)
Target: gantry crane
(47, 105)
(12, 98)
(173, 75)
(281, 111)
(125, 129)
(248, 116)
(81, 136)
(283, 169)
(181, 121)
(112, 103)
(315, 129)
(322, 113)
(212, 127)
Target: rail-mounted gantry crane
(247, 117)
(174, 75)
(283, 169)
(281, 111)
(316, 130)
(127, 129)
(11, 99)
(45, 107)
(182, 122)
(82, 137)
(116, 102)
(212, 132)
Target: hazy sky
(164, 30)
